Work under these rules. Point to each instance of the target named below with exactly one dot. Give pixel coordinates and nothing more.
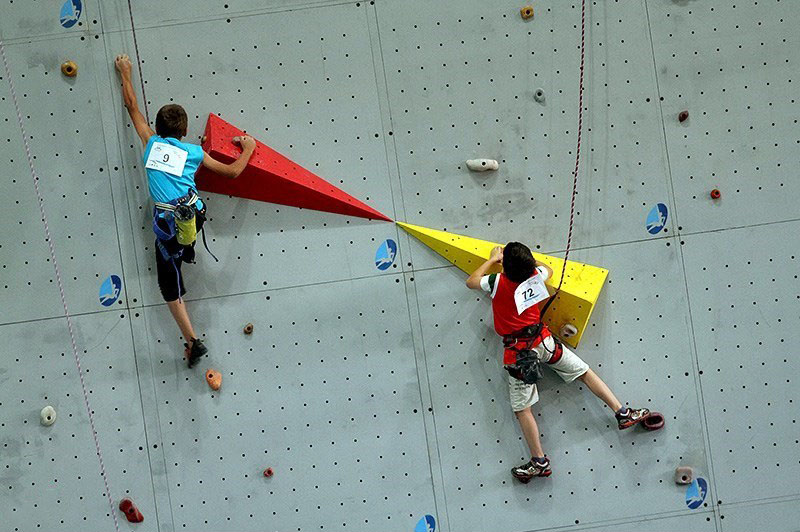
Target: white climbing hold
(538, 95)
(482, 165)
(568, 330)
(48, 415)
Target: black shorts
(170, 277)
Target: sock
(624, 411)
(540, 459)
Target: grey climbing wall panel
(50, 475)
(377, 396)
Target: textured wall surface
(377, 396)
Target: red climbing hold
(271, 177)
(716, 194)
(268, 472)
(131, 511)
(683, 115)
(653, 421)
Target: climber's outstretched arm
(232, 170)
(123, 65)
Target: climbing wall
(374, 390)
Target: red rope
(578, 150)
(138, 63)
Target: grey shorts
(569, 368)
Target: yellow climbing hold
(573, 305)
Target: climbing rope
(49, 240)
(138, 63)
(577, 156)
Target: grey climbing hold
(568, 330)
(48, 415)
(482, 165)
(683, 475)
(538, 95)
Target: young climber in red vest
(528, 343)
(179, 213)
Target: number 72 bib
(167, 158)
(529, 293)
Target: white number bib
(167, 158)
(529, 293)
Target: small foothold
(538, 95)
(683, 115)
(69, 69)
(482, 165)
(248, 329)
(716, 194)
(48, 415)
(526, 12)
(214, 379)
(203, 139)
(568, 330)
(268, 472)
(653, 421)
(130, 510)
(684, 475)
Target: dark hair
(518, 262)
(171, 121)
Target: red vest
(506, 319)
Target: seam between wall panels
(415, 319)
(156, 432)
(108, 146)
(695, 357)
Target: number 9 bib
(167, 158)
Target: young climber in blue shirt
(179, 213)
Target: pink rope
(49, 241)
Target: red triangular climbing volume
(271, 177)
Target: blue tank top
(166, 187)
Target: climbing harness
(527, 366)
(177, 220)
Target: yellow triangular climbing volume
(575, 302)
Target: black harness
(528, 368)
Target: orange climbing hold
(271, 177)
(130, 510)
(69, 69)
(214, 379)
(526, 12)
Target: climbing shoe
(630, 417)
(194, 353)
(526, 472)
